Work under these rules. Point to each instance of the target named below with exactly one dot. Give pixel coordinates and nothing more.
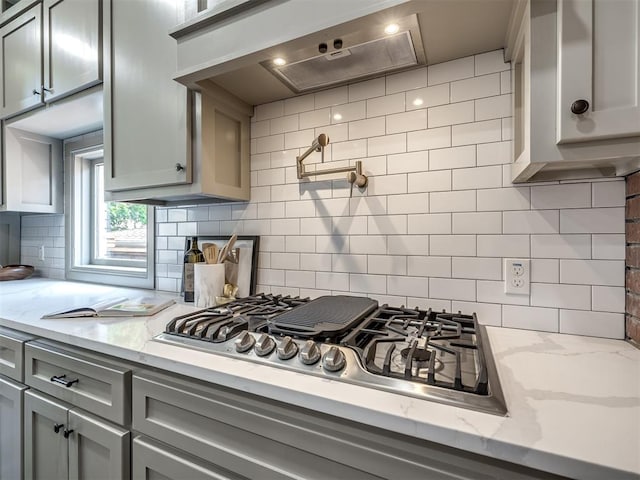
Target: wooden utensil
(227, 248)
(210, 252)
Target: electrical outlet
(41, 253)
(516, 276)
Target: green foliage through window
(125, 216)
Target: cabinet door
(33, 172)
(46, 451)
(146, 112)
(11, 422)
(21, 62)
(152, 461)
(72, 46)
(598, 61)
(97, 449)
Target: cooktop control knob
(265, 345)
(244, 342)
(287, 348)
(310, 353)
(334, 360)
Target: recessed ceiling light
(391, 28)
(279, 61)
(418, 101)
(337, 117)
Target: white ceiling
(450, 29)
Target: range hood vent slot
(364, 60)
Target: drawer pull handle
(61, 380)
(66, 433)
(57, 427)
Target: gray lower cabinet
(154, 461)
(11, 401)
(61, 442)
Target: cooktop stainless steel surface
(440, 356)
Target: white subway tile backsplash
(608, 247)
(452, 289)
(572, 195)
(477, 178)
(385, 105)
(449, 158)
(497, 153)
(427, 97)
(476, 268)
(500, 199)
(561, 296)
(491, 62)
(387, 225)
(477, 222)
(592, 220)
(424, 266)
(334, 96)
(530, 318)
(608, 194)
(503, 246)
(408, 162)
(436, 181)
(439, 214)
(533, 221)
(608, 299)
(450, 114)
(407, 121)
(429, 223)
(545, 270)
(490, 291)
(493, 107)
(592, 272)
(303, 103)
(401, 82)
(367, 283)
(453, 245)
(462, 201)
(595, 324)
(388, 144)
(387, 265)
(367, 89)
(476, 133)
(451, 71)
(487, 313)
(408, 245)
(561, 246)
(429, 139)
(371, 127)
(348, 112)
(408, 286)
(478, 87)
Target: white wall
(438, 216)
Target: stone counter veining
(574, 402)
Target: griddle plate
(324, 316)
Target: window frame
(81, 155)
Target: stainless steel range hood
(355, 56)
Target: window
(108, 242)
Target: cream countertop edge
(556, 422)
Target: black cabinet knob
(66, 433)
(579, 107)
(179, 167)
(57, 427)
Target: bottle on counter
(194, 255)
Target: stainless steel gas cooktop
(440, 356)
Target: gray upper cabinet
(72, 46)
(21, 62)
(50, 51)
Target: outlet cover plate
(517, 277)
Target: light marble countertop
(574, 402)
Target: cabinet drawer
(98, 386)
(233, 433)
(12, 353)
